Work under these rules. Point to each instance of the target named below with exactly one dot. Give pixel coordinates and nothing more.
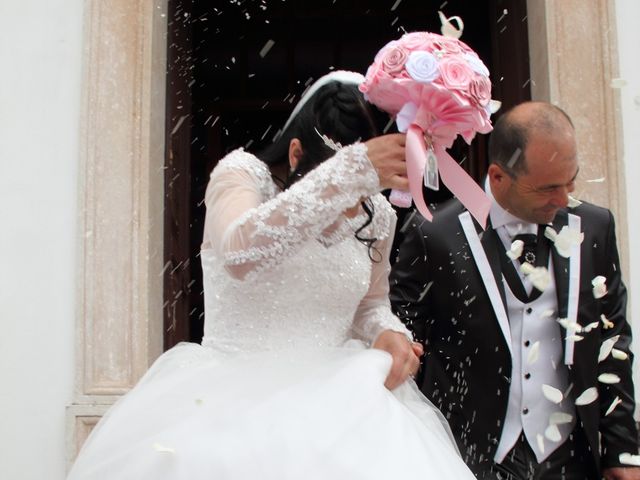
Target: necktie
(530, 241)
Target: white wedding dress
(278, 391)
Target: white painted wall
(40, 61)
(628, 14)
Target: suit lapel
(567, 276)
(492, 250)
(561, 268)
(489, 270)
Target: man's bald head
(515, 128)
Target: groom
(525, 356)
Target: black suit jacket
(438, 291)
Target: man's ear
(497, 178)
(295, 153)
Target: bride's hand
(386, 154)
(406, 356)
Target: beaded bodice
(288, 271)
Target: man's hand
(406, 356)
(621, 473)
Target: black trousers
(572, 460)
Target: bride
(295, 284)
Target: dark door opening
(236, 69)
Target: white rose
(422, 66)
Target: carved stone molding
(119, 310)
(573, 52)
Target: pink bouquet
(437, 88)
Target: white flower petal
(587, 397)
(534, 353)
(566, 240)
(574, 202)
(590, 327)
(619, 354)
(162, 449)
(618, 82)
(516, 249)
(539, 276)
(606, 347)
(527, 268)
(550, 233)
(570, 326)
(575, 338)
(599, 286)
(547, 313)
(551, 393)
(553, 433)
(629, 459)
(540, 440)
(494, 106)
(559, 418)
(447, 28)
(616, 401)
(609, 378)
(606, 323)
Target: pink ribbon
(453, 175)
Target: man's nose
(561, 197)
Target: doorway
(237, 68)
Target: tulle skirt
(313, 414)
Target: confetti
(533, 354)
(599, 286)
(616, 401)
(619, 354)
(539, 276)
(609, 378)
(447, 29)
(618, 82)
(565, 240)
(606, 347)
(553, 433)
(516, 249)
(587, 397)
(559, 418)
(162, 449)
(573, 202)
(629, 459)
(606, 323)
(551, 393)
(265, 49)
(568, 325)
(547, 313)
(590, 327)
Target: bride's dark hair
(340, 112)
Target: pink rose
(447, 45)
(394, 59)
(480, 90)
(416, 41)
(374, 72)
(455, 74)
(383, 51)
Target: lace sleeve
(252, 233)
(374, 315)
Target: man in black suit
(526, 355)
